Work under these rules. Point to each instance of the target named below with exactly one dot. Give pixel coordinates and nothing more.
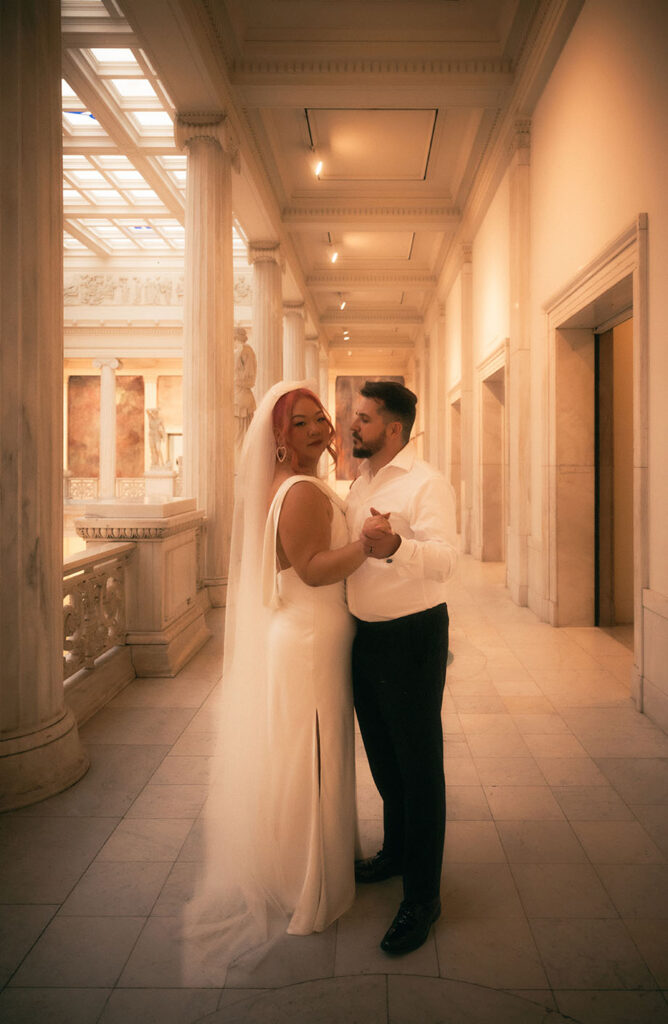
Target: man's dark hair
(399, 402)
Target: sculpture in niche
(157, 437)
(245, 371)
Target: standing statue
(245, 370)
(157, 436)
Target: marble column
(107, 368)
(265, 258)
(467, 396)
(312, 363)
(323, 370)
(40, 750)
(208, 321)
(294, 341)
(519, 370)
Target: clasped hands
(378, 538)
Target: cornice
(369, 316)
(109, 327)
(300, 212)
(345, 278)
(241, 68)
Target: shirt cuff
(404, 552)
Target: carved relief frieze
(348, 66)
(114, 289)
(243, 288)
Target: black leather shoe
(376, 869)
(410, 928)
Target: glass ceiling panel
(107, 55)
(133, 87)
(151, 118)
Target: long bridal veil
(236, 906)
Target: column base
(217, 589)
(40, 764)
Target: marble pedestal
(159, 483)
(165, 620)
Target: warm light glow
(335, 256)
(318, 168)
(342, 304)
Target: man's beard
(365, 451)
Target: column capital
(213, 127)
(111, 362)
(265, 252)
(466, 253)
(293, 309)
(520, 140)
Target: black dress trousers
(398, 679)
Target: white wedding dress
(311, 737)
(280, 816)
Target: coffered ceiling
(364, 129)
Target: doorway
(493, 445)
(613, 603)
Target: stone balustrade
(93, 604)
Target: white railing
(85, 488)
(93, 604)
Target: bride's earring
(281, 452)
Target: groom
(400, 649)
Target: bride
(280, 818)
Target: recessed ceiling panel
(375, 245)
(383, 145)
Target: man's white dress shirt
(422, 507)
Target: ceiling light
(318, 168)
(342, 301)
(349, 352)
(334, 257)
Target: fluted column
(312, 363)
(519, 370)
(107, 368)
(40, 750)
(265, 258)
(208, 363)
(467, 396)
(294, 341)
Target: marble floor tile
(461, 771)
(151, 839)
(516, 803)
(357, 1000)
(194, 847)
(562, 891)
(637, 890)
(479, 892)
(293, 960)
(554, 745)
(650, 935)
(42, 858)
(617, 842)
(539, 724)
(473, 842)
(571, 771)
(614, 1007)
(80, 952)
(430, 1001)
(117, 774)
(510, 744)
(159, 1006)
(467, 803)
(145, 726)
(590, 954)
(488, 724)
(186, 771)
(183, 691)
(479, 704)
(178, 889)
(163, 958)
(540, 842)
(499, 954)
(117, 889)
(509, 771)
(591, 803)
(20, 927)
(638, 780)
(168, 802)
(52, 1005)
(527, 705)
(654, 818)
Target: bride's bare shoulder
(305, 499)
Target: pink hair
(282, 419)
